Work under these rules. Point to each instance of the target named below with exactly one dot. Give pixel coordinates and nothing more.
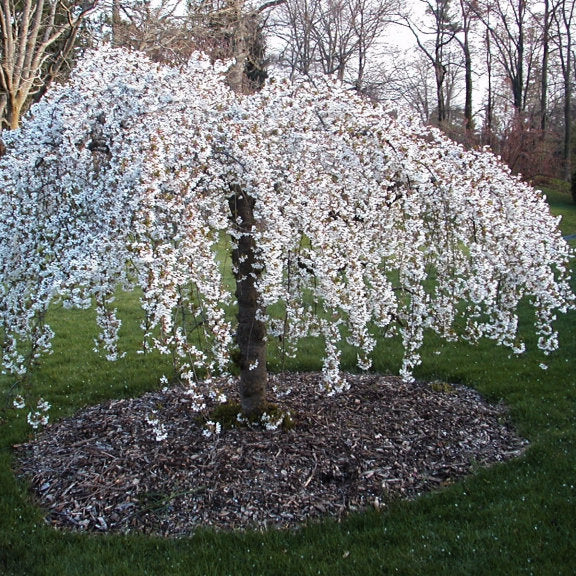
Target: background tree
(546, 25)
(410, 83)
(345, 224)
(170, 31)
(234, 30)
(434, 37)
(37, 38)
(162, 30)
(295, 27)
(563, 14)
(468, 17)
(339, 37)
(506, 23)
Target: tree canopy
(347, 222)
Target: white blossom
(211, 429)
(19, 402)
(272, 423)
(367, 226)
(158, 428)
(38, 417)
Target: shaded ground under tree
(104, 469)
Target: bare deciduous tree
(564, 12)
(467, 19)
(434, 37)
(36, 39)
(410, 83)
(336, 37)
(160, 29)
(295, 28)
(510, 26)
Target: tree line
(487, 72)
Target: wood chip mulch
(104, 470)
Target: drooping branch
(396, 229)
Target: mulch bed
(104, 470)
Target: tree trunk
(488, 126)
(566, 59)
(544, 72)
(239, 45)
(518, 88)
(13, 112)
(116, 24)
(567, 145)
(468, 111)
(251, 332)
(440, 71)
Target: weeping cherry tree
(346, 222)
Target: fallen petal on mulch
(104, 469)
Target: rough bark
(467, 17)
(564, 18)
(544, 71)
(36, 39)
(251, 331)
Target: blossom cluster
(37, 417)
(368, 224)
(158, 428)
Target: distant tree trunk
(251, 331)
(469, 90)
(488, 131)
(544, 71)
(467, 15)
(117, 39)
(564, 20)
(440, 75)
(517, 78)
(237, 20)
(567, 147)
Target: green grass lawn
(514, 518)
(561, 202)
